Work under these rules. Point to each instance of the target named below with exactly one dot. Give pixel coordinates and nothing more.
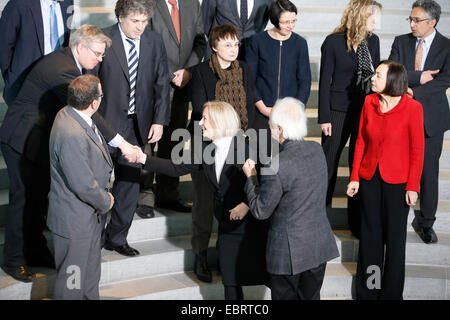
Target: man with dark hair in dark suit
(135, 80)
(185, 45)
(30, 29)
(81, 169)
(425, 53)
(24, 138)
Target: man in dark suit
(425, 53)
(24, 142)
(30, 29)
(219, 12)
(292, 192)
(135, 80)
(80, 168)
(180, 25)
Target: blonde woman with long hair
(349, 58)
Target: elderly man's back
(300, 236)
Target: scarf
(365, 68)
(230, 88)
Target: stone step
(422, 282)
(160, 258)
(168, 223)
(174, 254)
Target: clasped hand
(239, 212)
(249, 168)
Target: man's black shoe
(20, 273)
(145, 212)
(175, 205)
(427, 234)
(201, 268)
(124, 250)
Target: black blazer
(431, 95)
(152, 83)
(203, 88)
(22, 33)
(338, 75)
(28, 121)
(228, 192)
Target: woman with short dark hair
(279, 61)
(220, 78)
(386, 171)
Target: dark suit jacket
(80, 169)
(219, 12)
(28, 121)
(279, 68)
(203, 88)
(338, 75)
(22, 33)
(227, 193)
(293, 197)
(152, 83)
(431, 95)
(191, 49)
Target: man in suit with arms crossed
(425, 53)
(31, 29)
(180, 25)
(24, 138)
(135, 80)
(80, 169)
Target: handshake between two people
(135, 155)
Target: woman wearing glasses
(221, 78)
(349, 57)
(279, 61)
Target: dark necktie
(132, 72)
(94, 128)
(244, 12)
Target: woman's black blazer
(338, 75)
(203, 88)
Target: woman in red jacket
(386, 171)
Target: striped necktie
(54, 37)
(132, 72)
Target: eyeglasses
(97, 54)
(231, 45)
(100, 96)
(415, 20)
(285, 23)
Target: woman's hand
(239, 212)
(326, 128)
(352, 188)
(411, 198)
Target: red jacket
(393, 140)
